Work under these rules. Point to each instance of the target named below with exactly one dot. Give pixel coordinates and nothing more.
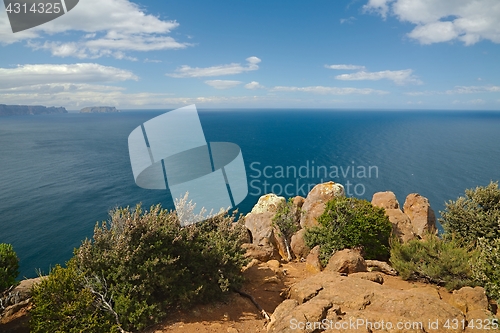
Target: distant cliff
(99, 109)
(15, 110)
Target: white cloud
(110, 28)
(330, 90)
(155, 61)
(77, 96)
(399, 77)
(444, 20)
(230, 69)
(223, 84)
(473, 89)
(345, 67)
(31, 75)
(254, 85)
(347, 20)
(477, 101)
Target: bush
(477, 215)
(486, 269)
(432, 260)
(142, 264)
(9, 265)
(285, 220)
(351, 223)
(64, 305)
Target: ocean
(60, 174)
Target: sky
(354, 54)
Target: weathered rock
(298, 203)
(346, 261)
(470, 299)
(313, 264)
(370, 276)
(386, 200)
(314, 205)
(259, 252)
(298, 244)
(260, 227)
(259, 222)
(422, 216)
(380, 266)
(401, 225)
(342, 300)
(267, 203)
(16, 299)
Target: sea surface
(60, 174)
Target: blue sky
(369, 54)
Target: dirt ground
(265, 282)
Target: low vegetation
(475, 215)
(468, 253)
(139, 266)
(9, 265)
(432, 260)
(351, 223)
(286, 222)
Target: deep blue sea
(60, 174)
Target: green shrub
(432, 260)
(64, 305)
(477, 215)
(9, 265)
(351, 223)
(486, 269)
(141, 265)
(286, 222)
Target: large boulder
(259, 223)
(298, 245)
(314, 205)
(313, 263)
(401, 223)
(262, 252)
(386, 200)
(360, 300)
(259, 220)
(13, 301)
(346, 261)
(422, 216)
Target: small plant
(433, 260)
(486, 269)
(285, 221)
(9, 265)
(351, 223)
(477, 215)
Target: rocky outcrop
(313, 263)
(259, 222)
(19, 110)
(99, 109)
(12, 301)
(415, 221)
(386, 200)
(346, 262)
(298, 245)
(362, 302)
(314, 205)
(421, 214)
